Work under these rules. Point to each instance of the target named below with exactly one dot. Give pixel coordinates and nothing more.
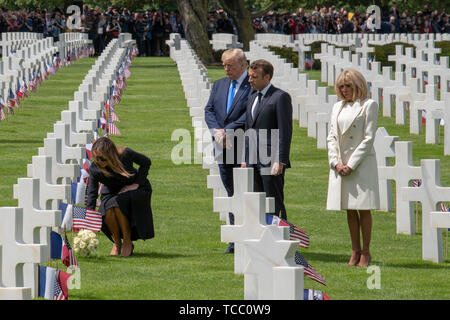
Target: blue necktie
(231, 94)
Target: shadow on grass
(418, 265)
(326, 257)
(160, 255)
(340, 258)
(4, 141)
(162, 66)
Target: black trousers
(273, 186)
(226, 174)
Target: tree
(242, 17)
(194, 15)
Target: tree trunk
(242, 17)
(194, 15)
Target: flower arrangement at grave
(85, 243)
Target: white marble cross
(325, 51)
(267, 255)
(429, 104)
(301, 90)
(430, 194)
(37, 223)
(364, 49)
(384, 149)
(76, 137)
(14, 252)
(402, 172)
(301, 48)
(41, 168)
(446, 116)
(60, 171)
(409, 96)
(62, 131)
(308, 96)
(242, 183)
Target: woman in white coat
(353, 181)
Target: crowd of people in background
(333, 20)
(151, 28)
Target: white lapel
(357, 108)
(335, 122)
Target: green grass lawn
(185, 260)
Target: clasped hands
(343, 169)
(220, 137)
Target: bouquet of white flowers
(85, 243)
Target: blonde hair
(358, 82)
(237, 54)
(105, 148)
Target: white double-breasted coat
(354, 147)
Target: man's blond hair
(237, 54)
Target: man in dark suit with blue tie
(268, 131)
(225, 111)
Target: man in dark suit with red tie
(269, 122)
(225, 111)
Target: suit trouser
(273, 187)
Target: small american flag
(112, 129)
(87, 219)
(310, 272)
(19, 90)
(68, 257)
(444, 209)
(57, 291)
(416, 183)
(114, 116)
(295, 233)
(2, 114)
(126, 73)
(12, 99)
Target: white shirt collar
(241, 78)
(264, 91)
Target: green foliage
(445, 47)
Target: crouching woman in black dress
(125, 195)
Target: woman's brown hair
(105, 150)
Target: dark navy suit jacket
(216, 116)
(275, 112)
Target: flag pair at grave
(445, 209)
(60, 249)
(53, 283)
(295, 233)
(310, 294)
(76, 217)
